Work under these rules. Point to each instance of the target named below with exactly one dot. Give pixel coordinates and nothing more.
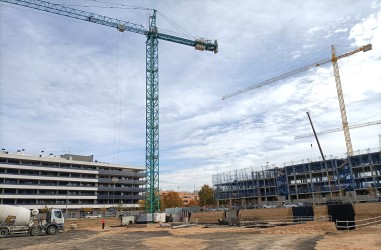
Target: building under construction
(356, 178)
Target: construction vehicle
(20, 220)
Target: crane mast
(152, 117)
(340, 95)
(152, 198)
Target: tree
(142, 204)
(86, 209)
(206, 196)
(172, 199)
(192, 203)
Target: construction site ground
(310, 235)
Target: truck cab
(55, 215)
(54, 221)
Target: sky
(69, 86)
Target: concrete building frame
(354, 179)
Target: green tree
(172, 199)
(142, 204)
(192, 203)
(206, 196)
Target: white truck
(20, 220)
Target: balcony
(121, 181)
(120, 197)
(121, 189)
(122, 173)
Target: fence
(346, 224)
(283, 221)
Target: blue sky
(69, 86)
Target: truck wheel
(3, 232)
(34, 231)
(51, 230)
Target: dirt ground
(312, 235)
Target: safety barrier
(346, 224)
(283, 221)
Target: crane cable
(118, 97)
(311, 140)
(116, 6)
(177, 26)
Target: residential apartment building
(70, 182)
(186, 197)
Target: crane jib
(80, 14)
(122, 26)
(364, 48)
(199, 44)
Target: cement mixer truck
(19, 220)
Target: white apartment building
(70, 182)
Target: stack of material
(164, 225)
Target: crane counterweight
(367, 47)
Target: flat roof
(59, 159)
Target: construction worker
(103, 223)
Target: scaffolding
(307, 181)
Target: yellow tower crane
(340, 96)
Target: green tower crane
(152, 198)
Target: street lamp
(114, 180)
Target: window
(12, 171)
(13, 161)
(58, 214)
(10, 181)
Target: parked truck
(20, 220)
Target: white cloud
(60, 80)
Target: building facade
(72, 182)
(186, 197)
(356, 179)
